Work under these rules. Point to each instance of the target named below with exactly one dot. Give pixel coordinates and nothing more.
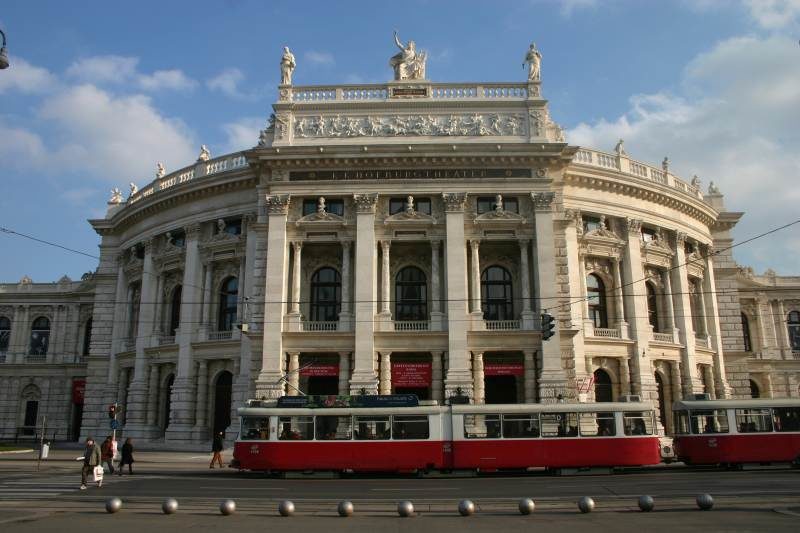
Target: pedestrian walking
(91, 459)
(217, 446)
(127, 456)
(107, 453)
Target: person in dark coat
(127, 456)
(217, 446)
(91, 459)
(107, 453)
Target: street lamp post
(3, 53)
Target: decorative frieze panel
(452, 125)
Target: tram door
(500, 389)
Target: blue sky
(97, 94)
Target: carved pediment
(409, 218)
(500, 218)
(321, 220)
(656, 252)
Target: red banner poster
(411, 374)
(321, 370)
(78, 389)
(503, 369)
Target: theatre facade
(397, 238)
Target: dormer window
(418, 205)
(333, 206)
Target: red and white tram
(735, 432)
(482, 438)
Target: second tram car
(443, 438)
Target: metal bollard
(286, 508)
(405, 509)
(646, 503)
(466, 508)
(169, 506)
(586, 504)
(227, 507)
(113, 505)
(705, 502)
(526, 506)
(345, 508)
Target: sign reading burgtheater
(409, 173)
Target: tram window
(638, 422)
(410, 427)
(255, 428)
(681, 422)
(522, 426)
(597, 425)
(786, 418)
(559, 424)
(482, 426)
(296, 428)
(753, 420)
(334, 427)
(709, 421)
(372, 428)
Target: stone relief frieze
(454, 125)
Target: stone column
(552, 377)
(619, 302)
(201, 416)
(529, 369)
(708, 379)
(624, 376)
(437, 377)
(297, 248)
(576, 279)
(675, 378)
(459, 375)
(690, 381)
(525, 278)
(122, 391)
(344, 373)
(268, 380)
(158, 327)
(475, 276)
(386, 282)
(119, 323)
(205, 308)
(346, 315)
(293, 375)
(20, 331)
(478, 377)
(365, 295)
(720, 381)
(436, 314)
(386, 373)
(784, 334)
(137, 395)
(670, 306)
(152, 396)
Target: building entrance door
(500, 389)
(77, 418)
(222, 401)
(323, 385)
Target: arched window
(754, 392)
(87, 337)
(496, 296)
(410, 294)
(175, 309)
(696, 299)
(40, 336)
(5, 334)
(793, 326)
(326, 295)
(596, 295)
(228, 297)
(603, 391)
(652, 306)
(748, 344)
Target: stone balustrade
(327, 325)
(220, 335)
(502, 325)
(166, 339)
(663, 337)
(438, 91)
(608, 333)
(625, 165)
(411, 325)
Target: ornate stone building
(402, 237)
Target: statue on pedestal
(116, 196)
(408, 64)
(534, 61)
(287, 66)
(205, 154)
(160, 170)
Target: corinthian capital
(542, 201)
(634, 225)
(454, 201)
(278, 204)
(365, 203)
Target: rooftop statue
(160, 170)
(408, 64)
(287, 66)
(116, 196)
(534, 61)
(712, 189)
(134, 189)
(205, 155)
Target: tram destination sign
(333, 401)
(408, 174)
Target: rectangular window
(520, 426)
(590, 224)
(482, 426)
(410, 427)
(559, 424)
(511, 205)
(255, 428)
(638, 422)
(681, 422)
(786, 418)
(709, 421)
(334, 206)
(753, 420)
(485, 204)
(597, 425)
(296, 428)
(233, 227)
(372, 428)
(309, 207)
(421, 205)
(334, 427)
(648, 234)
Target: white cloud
(166, 79)
(111, 69)
(227, 82)
(243, 133)
(20, 148)
(23, 77)
(319, 58)
(568, 7)
(735, 122)
(774, 14)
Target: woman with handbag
(91, 461)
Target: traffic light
(548, 326)
(112, 411)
